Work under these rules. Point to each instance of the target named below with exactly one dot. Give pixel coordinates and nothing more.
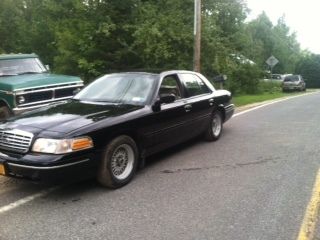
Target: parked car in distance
(25, 83)
(293, 82)
(275, 77)
(111, 126)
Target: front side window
(10, 67)
(119, 88)
(194, 85)
(170, 85)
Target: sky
(303, 17)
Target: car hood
(67, 117)
(11, 83)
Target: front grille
(15, 140)
(38, 96)
(66, 92)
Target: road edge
(309, 222)
(251, 107)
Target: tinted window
(170, 85)
(194, 85)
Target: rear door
(199, 103)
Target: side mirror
(164, 98)
(220, 78)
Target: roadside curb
(253, 106)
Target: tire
(4, 113)
(214, 130)
(119, 162)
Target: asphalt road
(254, 183)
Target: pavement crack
(257, 162)
(189, 169)
(224, 166)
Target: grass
(248, 99)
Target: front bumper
(229, 110)
(49, 168)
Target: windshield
(10, 67)
(119, 88)
(291, 78)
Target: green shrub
(269, 86)
(245, 78)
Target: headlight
(60, 146)
(21, 99)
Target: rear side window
(194, 85)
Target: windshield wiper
(105, 101)
(28, 73)
(101, 100)
(96, 100)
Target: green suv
(25, 83)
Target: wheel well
(137, 140)
(222, 110)
(3, 104)
(131, 134)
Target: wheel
(215, 127)
(4, 113)
(118, 163)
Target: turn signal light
(81, 143)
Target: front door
(169, 124)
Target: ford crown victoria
(111, 126)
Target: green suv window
(21, 66)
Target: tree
(309, 68)
(93, 37)
(11, 26)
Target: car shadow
(175, 150)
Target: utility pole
(197, 36)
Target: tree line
(93, 37)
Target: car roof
(168, 72)
(177, 71)
(17, 56)
(292, 76)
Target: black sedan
(111, 126)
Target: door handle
(188, 107)
(211, 101)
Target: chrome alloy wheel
(216, 125)
(122, 161)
